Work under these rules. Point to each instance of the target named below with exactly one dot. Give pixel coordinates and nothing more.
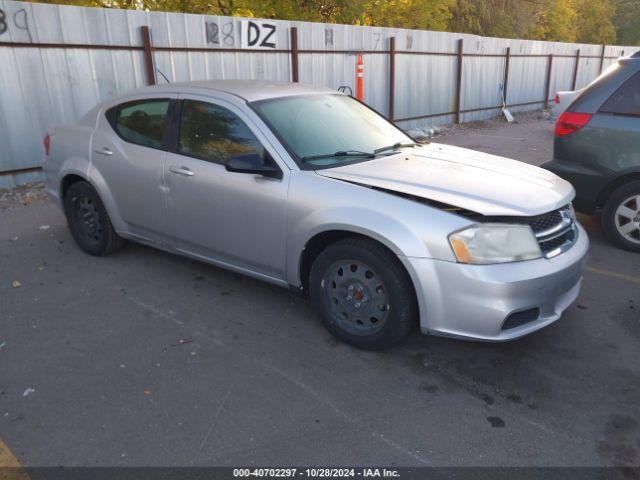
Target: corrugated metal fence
(56, 62)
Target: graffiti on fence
(227, 34)
(23, 24)
(20, 21)
(3, 22)
(211, 33)
(376, 36)
(258, 35)
(328, 37)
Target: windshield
(328, 130)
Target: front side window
(143, 122)
(317, 128)
(214, 133)
(626, 100)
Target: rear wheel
(621, 217)
(89, 222)
(364, 293)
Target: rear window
(625, 100)
(142, 122)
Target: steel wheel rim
(627, 219)
(88, 218)
(356, 297)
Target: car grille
(518, 319)
(543, 222)
(555, 231)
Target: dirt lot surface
(146, 358)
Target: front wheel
(621, 217)
(89, 222)
(364, 294)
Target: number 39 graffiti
(3, 22)
(20, 21)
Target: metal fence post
(575, 70)
(147, 46)
(602, 57)
(548, 81)
(505, 82)
(458, 81)
(294, 53)
(392, 76)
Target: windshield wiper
(341, 153)
(395, 146)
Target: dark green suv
(597, 149)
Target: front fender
(408, 228)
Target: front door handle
(103, 151)
(181, 171)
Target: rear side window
(626, 100)
(213, 133)
(142, 122)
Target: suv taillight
(570, 122)
(47, 144)
(556, 99)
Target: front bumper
(473, 301)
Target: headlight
(494, 243)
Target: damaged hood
(476, 181)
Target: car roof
(249, 90)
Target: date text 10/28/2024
(316, 472)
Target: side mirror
(254, 163)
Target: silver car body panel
(468, 179)
(260, 226)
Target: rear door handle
(103, 151)
(181, 171)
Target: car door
(235, 219)
(128, 155)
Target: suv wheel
(621, 217)
(364, 293)
(89, 222)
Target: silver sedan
(309, 189)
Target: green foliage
(420, 14)
(588, 21)
(595, 21)
(496, 18)
(555, 20)
(627, 21)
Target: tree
(555, 20)
(595, 21)
(498, 18)
(627, 22)
(419, 14)
(589, 21)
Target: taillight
(47, 144)
(556, 99)
(570, 122)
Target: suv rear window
(625, 100)
(142, 122)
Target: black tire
(379, 280)
(613, 222)
(89, 222)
